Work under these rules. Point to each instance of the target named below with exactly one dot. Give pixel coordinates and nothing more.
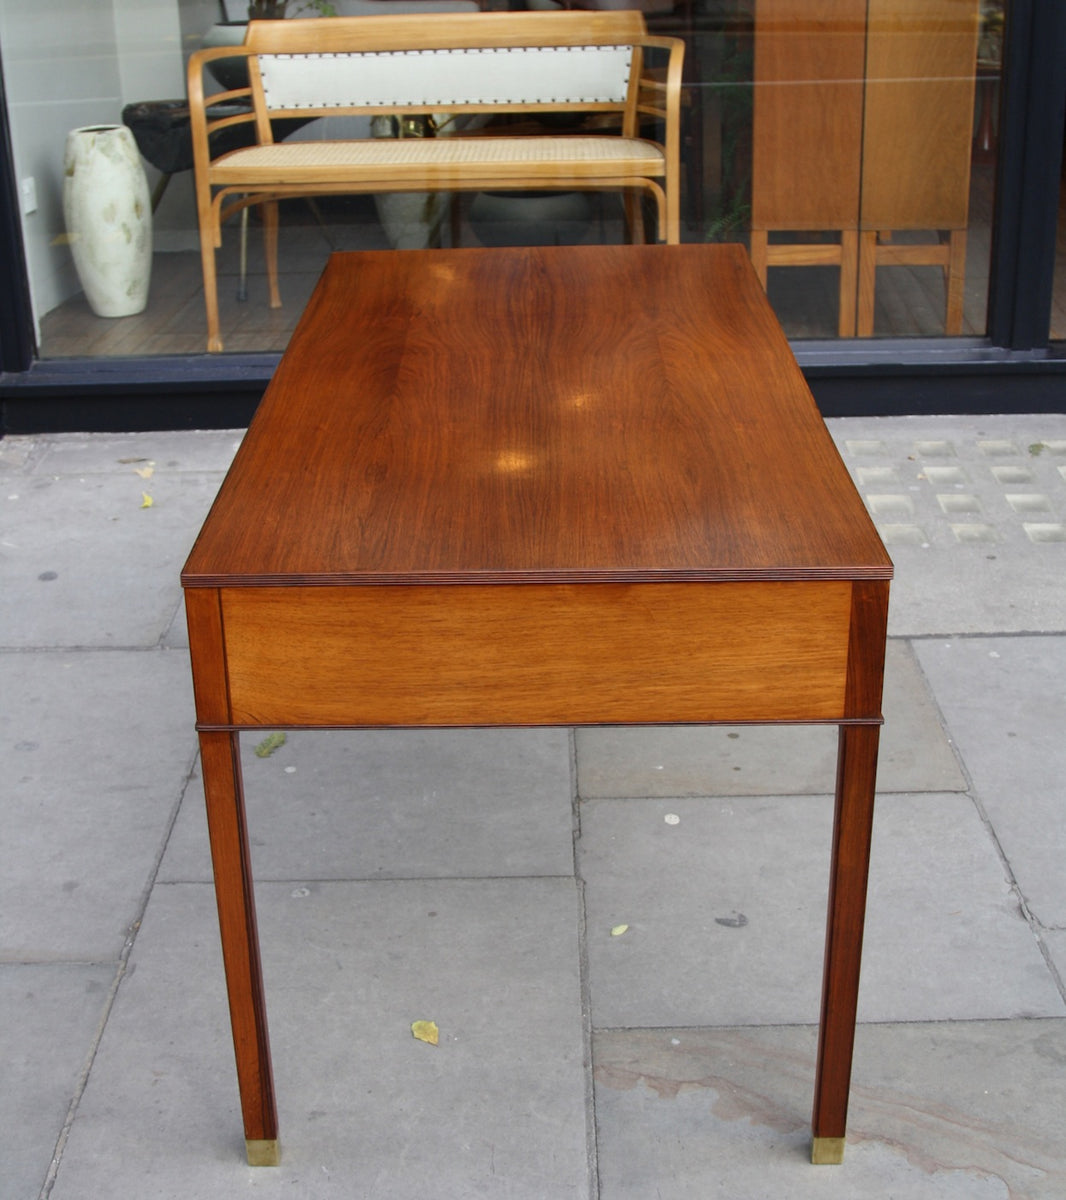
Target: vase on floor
(108, 218)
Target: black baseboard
(127, 414)
(924, 395)
(129, 396)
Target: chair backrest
(445, 61)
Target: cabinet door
(920, 67)
(807, 121)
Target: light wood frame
(229, 182)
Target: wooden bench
(462, 64)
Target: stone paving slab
(960, 1111)
(1055, 941)
(176, 635)
(200, 452)
(725, 909)
(82, 561)
(498, 1108)
(1004, 700)
(973, 513)
(49, 1015)
(762, 760)
(946, 935)
(956, 1108)
(97, 749)
(85, 564)
(397, 804)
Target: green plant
(274, 10)
(266, 10)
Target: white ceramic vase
(109, 218)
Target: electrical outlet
(29, 195)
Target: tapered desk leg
(856, 780)
(220, 754)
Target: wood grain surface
(808, 113)
(552, 654)
(550, 414)
(921, 72)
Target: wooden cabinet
(863, 115)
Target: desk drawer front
(537, 654)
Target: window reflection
(850, 144)
(863, 143)
(1058, 305)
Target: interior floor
(910, 300)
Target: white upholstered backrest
(443, 78)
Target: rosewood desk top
(570, 414)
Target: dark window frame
(16, 319)
(1015, 368)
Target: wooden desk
(548, 486)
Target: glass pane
(873, 143)
(1058, 302)
(849, 143)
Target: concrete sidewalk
(474, 878)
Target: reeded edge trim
(547, 576)
(205, 727)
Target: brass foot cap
(827, 1151)
(263, 1153)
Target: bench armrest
(210, 112)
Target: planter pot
(411, 220)
(108, 218)
(230, 73)
(530, 218)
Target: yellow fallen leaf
(146, 500)
(426, 1031)
(144, 472)
(618, 930)
(269, 744)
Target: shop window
(1058, 305)
(849, 144)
